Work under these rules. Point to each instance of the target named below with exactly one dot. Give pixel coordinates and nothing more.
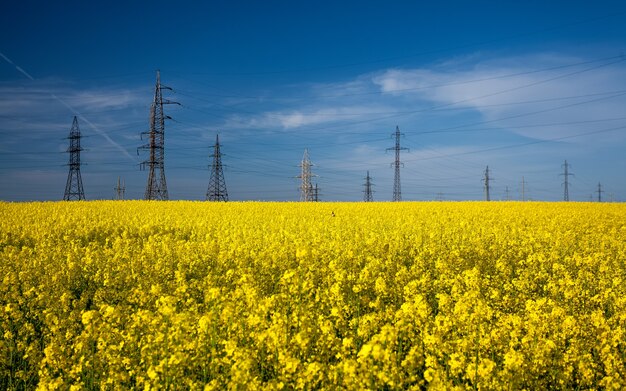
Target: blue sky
(517, 86)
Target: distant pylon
(486, 180)
(523, 189)
(566, 175)
(74, 185)
(217, 185)
(367, 193)
(156, 188)
(119, 189)
(397, 193)
(306, 188)
(507, 195)
(316, 193)
(599, 191)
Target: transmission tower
(156, 189)
(367, 193)
(217, 185)
(523, 189)
(306, 188)
(397, 193)
(486, 180)
(74, 185)
(316, 194)
(566, 175)
(507, 196)
(599, 191)
(119, 189)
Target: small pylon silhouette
(217, 184)
(367, 193)
(74, 185)
(119, 189)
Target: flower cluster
(195, 295)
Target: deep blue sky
(518, 86)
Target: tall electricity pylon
(74, 185)
(156, 189)
(397, 193)
(119, 189)
(599, 191)
(306, 188)
(367, 193)
(217, 184)
(486, 180)
(566, 174)
(316, 194)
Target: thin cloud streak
(75, 112)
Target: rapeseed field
(197, 295)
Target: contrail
(74, 111)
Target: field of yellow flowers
(193, 295)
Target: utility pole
(306, 188)
(599, 191)
(523, 189)
(566, 174)
(367, 193)
(486, 180)
(119, 189)
(156, 189)
(397, 193)
(74, 185)
(217, 184)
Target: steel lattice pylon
(487, 186)
(120, 189)
(566, 174)
(306, 187)
(156, 189)
(217, 184)
(74, 185)
(397, 193)
(367, 193)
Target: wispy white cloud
(509, 92)
(306, 116)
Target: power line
(430, 52)
(380, 92)
(522, 144)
